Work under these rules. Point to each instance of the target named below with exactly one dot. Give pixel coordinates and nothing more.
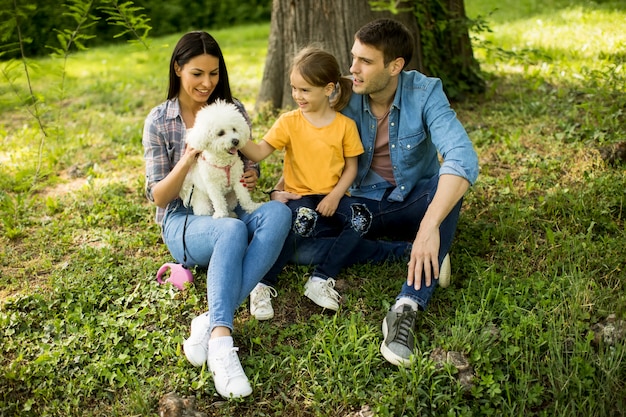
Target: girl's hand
(284, 196)
(327, 206)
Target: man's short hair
(390, 37)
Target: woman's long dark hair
(190, 46)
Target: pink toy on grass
(179, 275)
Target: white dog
(212, 185)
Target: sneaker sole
(321, 303)
(262, 317)
(445, 272)
(389, 355)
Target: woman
(240, 250)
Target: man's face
(368, 69)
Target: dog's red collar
(225, 168)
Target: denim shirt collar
(427, 127)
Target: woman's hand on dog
(168, 189)
(189, 156)
(249, 179)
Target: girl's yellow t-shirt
(314, 156)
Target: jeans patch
(304, 223)
(361, 218)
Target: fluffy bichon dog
(212, 185)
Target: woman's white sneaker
(197, 345)
(228, 376)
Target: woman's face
(198, 78)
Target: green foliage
(177, 15)
(110, 21)
(538, 260)
(79, 11)
(123, 15)
(444, 43)
(128, 17)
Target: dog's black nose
(235, 142)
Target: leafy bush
(39, 20)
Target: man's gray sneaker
(399, 336)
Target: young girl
(238, 252)
(321, 148)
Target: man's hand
(425, 252)
(424, 257)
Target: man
(405, 122)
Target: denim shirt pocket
(411, 148)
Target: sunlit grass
(574, 43)
(537, 262)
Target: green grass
(537, 263)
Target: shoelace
(264, 296)
(329, 289)
(230, 364)
(404, 324)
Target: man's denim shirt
(421, 123)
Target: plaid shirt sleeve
(163, 137)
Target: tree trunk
(297, 23)
(332, 24)
(445, 48)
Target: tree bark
(332, 24)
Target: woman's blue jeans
(237, 252)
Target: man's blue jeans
(401, 220)
(332, 243)
(349, 223)
(398, 221)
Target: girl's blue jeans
(237, 252)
